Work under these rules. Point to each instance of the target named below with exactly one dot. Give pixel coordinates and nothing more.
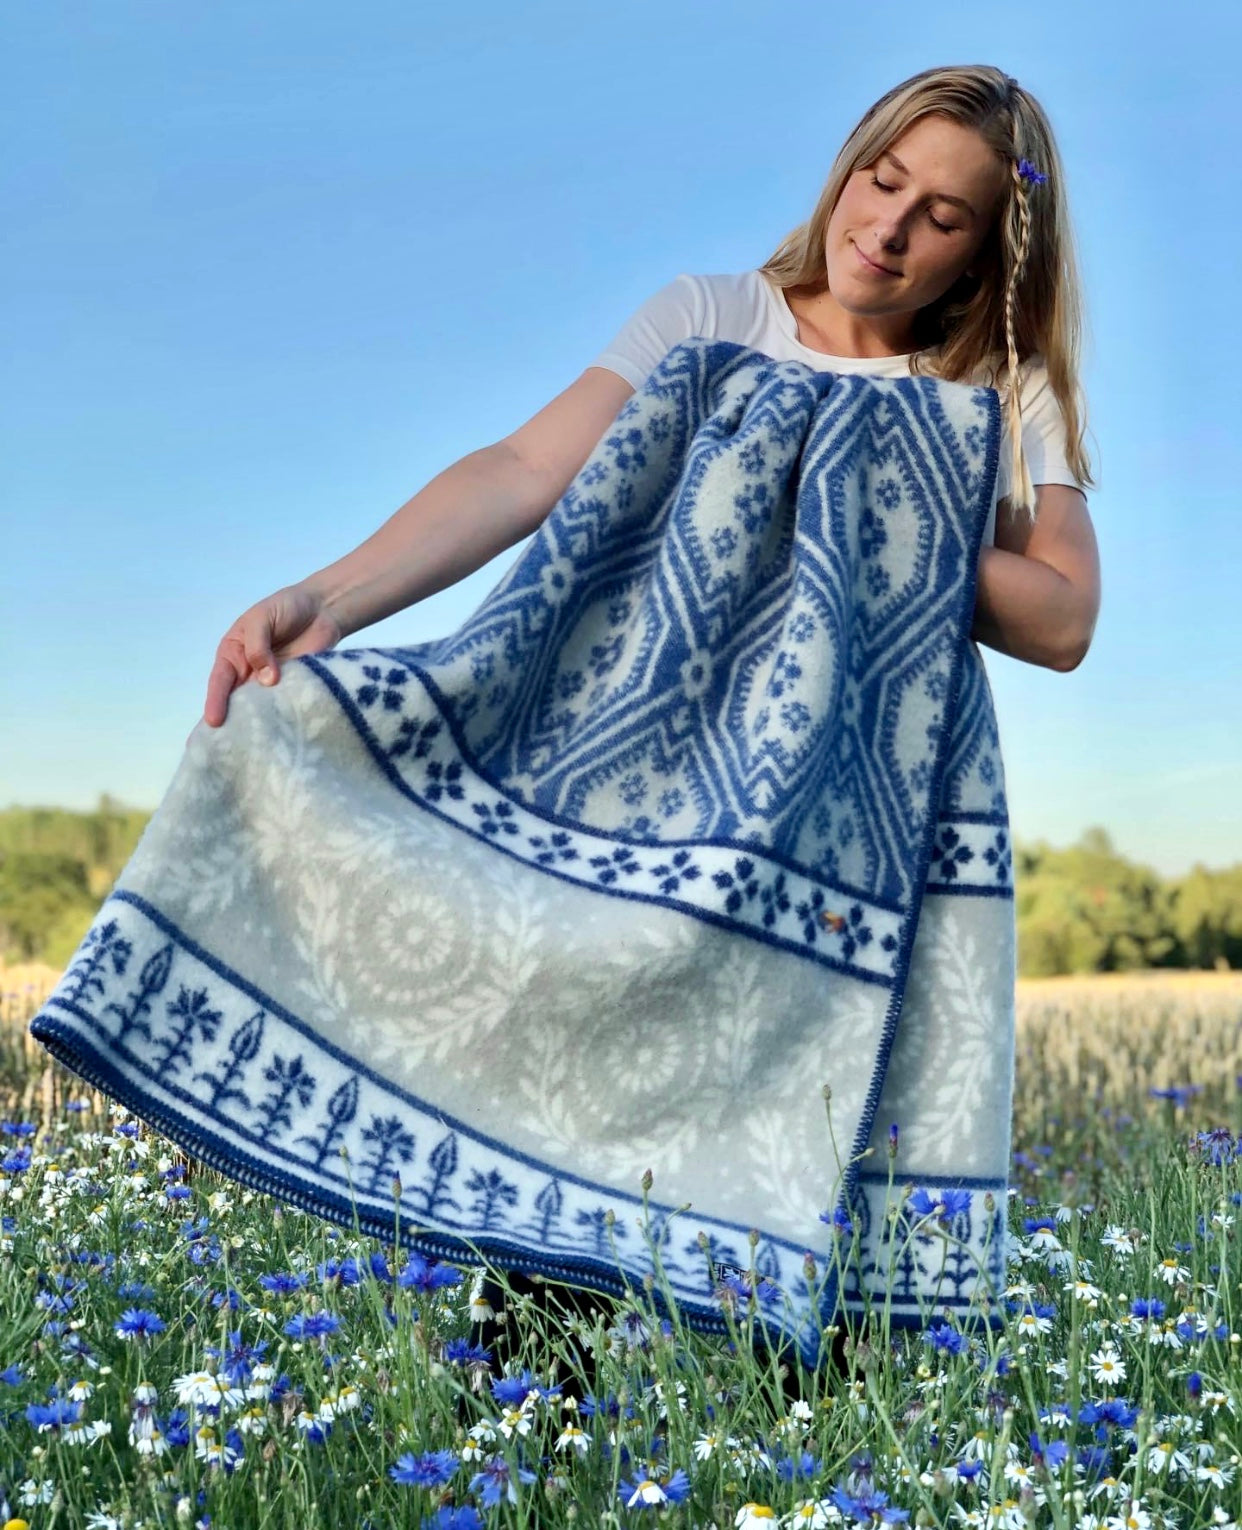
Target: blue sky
(267, 269)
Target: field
(178, 1350)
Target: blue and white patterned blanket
(700, 811)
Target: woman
(927, 251)
(940, 244)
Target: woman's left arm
(1038, 590)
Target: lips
(870, 265)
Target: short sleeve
(1043, 436)
(669, 316)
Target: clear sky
(268, 268)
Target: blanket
(659, 921)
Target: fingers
(241, 654)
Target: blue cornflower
(282, 1284)
(1039, 1224)
(138, 1323)
(1147, 1307)
(1217, 1146)
(178, 1193)
(945, 1336)
(866, 1507)
(766, 1291)
(449, 1517)
(1051, 1454)
(949, 1203)
(314, 1325)
(1178, 1093)
(968, 1470)
(347, 1272)
(16, 1163)
(424, 1275)
(803, 1465)
(839, 1220)
(1194, 1385)
(54, 1415)
(432, 1469)
(12, 1377)
(608, 1406)
(512, 1390)
(1028, 172)
(462, 1352)
(493, 1480)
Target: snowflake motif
(878, 581)
(660, 426)
(682, 869)
(621, 859)
(802, 627)
(754, 509)
(751, 458)
(762, 718)
(496, 820)
(872, 533)
(671, 802)
(936, 685)
(744, 884)
(784, 672)
(920, 776)
(570, 683)
(775, 900)
(809, 912)
(627, 449)
(856, 933)
(951, 853)
(888, 494)
(828, 866)
(633, 788)
(481, 666)
(723, 540)
(415, 738)
(618, 612)
(383, 686)
(442, 781)
(987, 770)
(559, 847)
(795, 715)
(998, 854)
(642, 826)
(593, 473)
(604, 656)
(973, 437)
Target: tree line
(1079, 909)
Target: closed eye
(947, 228)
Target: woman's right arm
(477, 507)
(472, 511)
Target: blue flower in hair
(1028, 172)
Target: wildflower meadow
(176, 1349)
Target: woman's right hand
(287, 624)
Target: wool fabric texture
(701, 811)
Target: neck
(823, 325)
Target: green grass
(302, 1431)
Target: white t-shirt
(751, 310)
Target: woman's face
(910, 223)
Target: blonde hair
(1024, 299)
